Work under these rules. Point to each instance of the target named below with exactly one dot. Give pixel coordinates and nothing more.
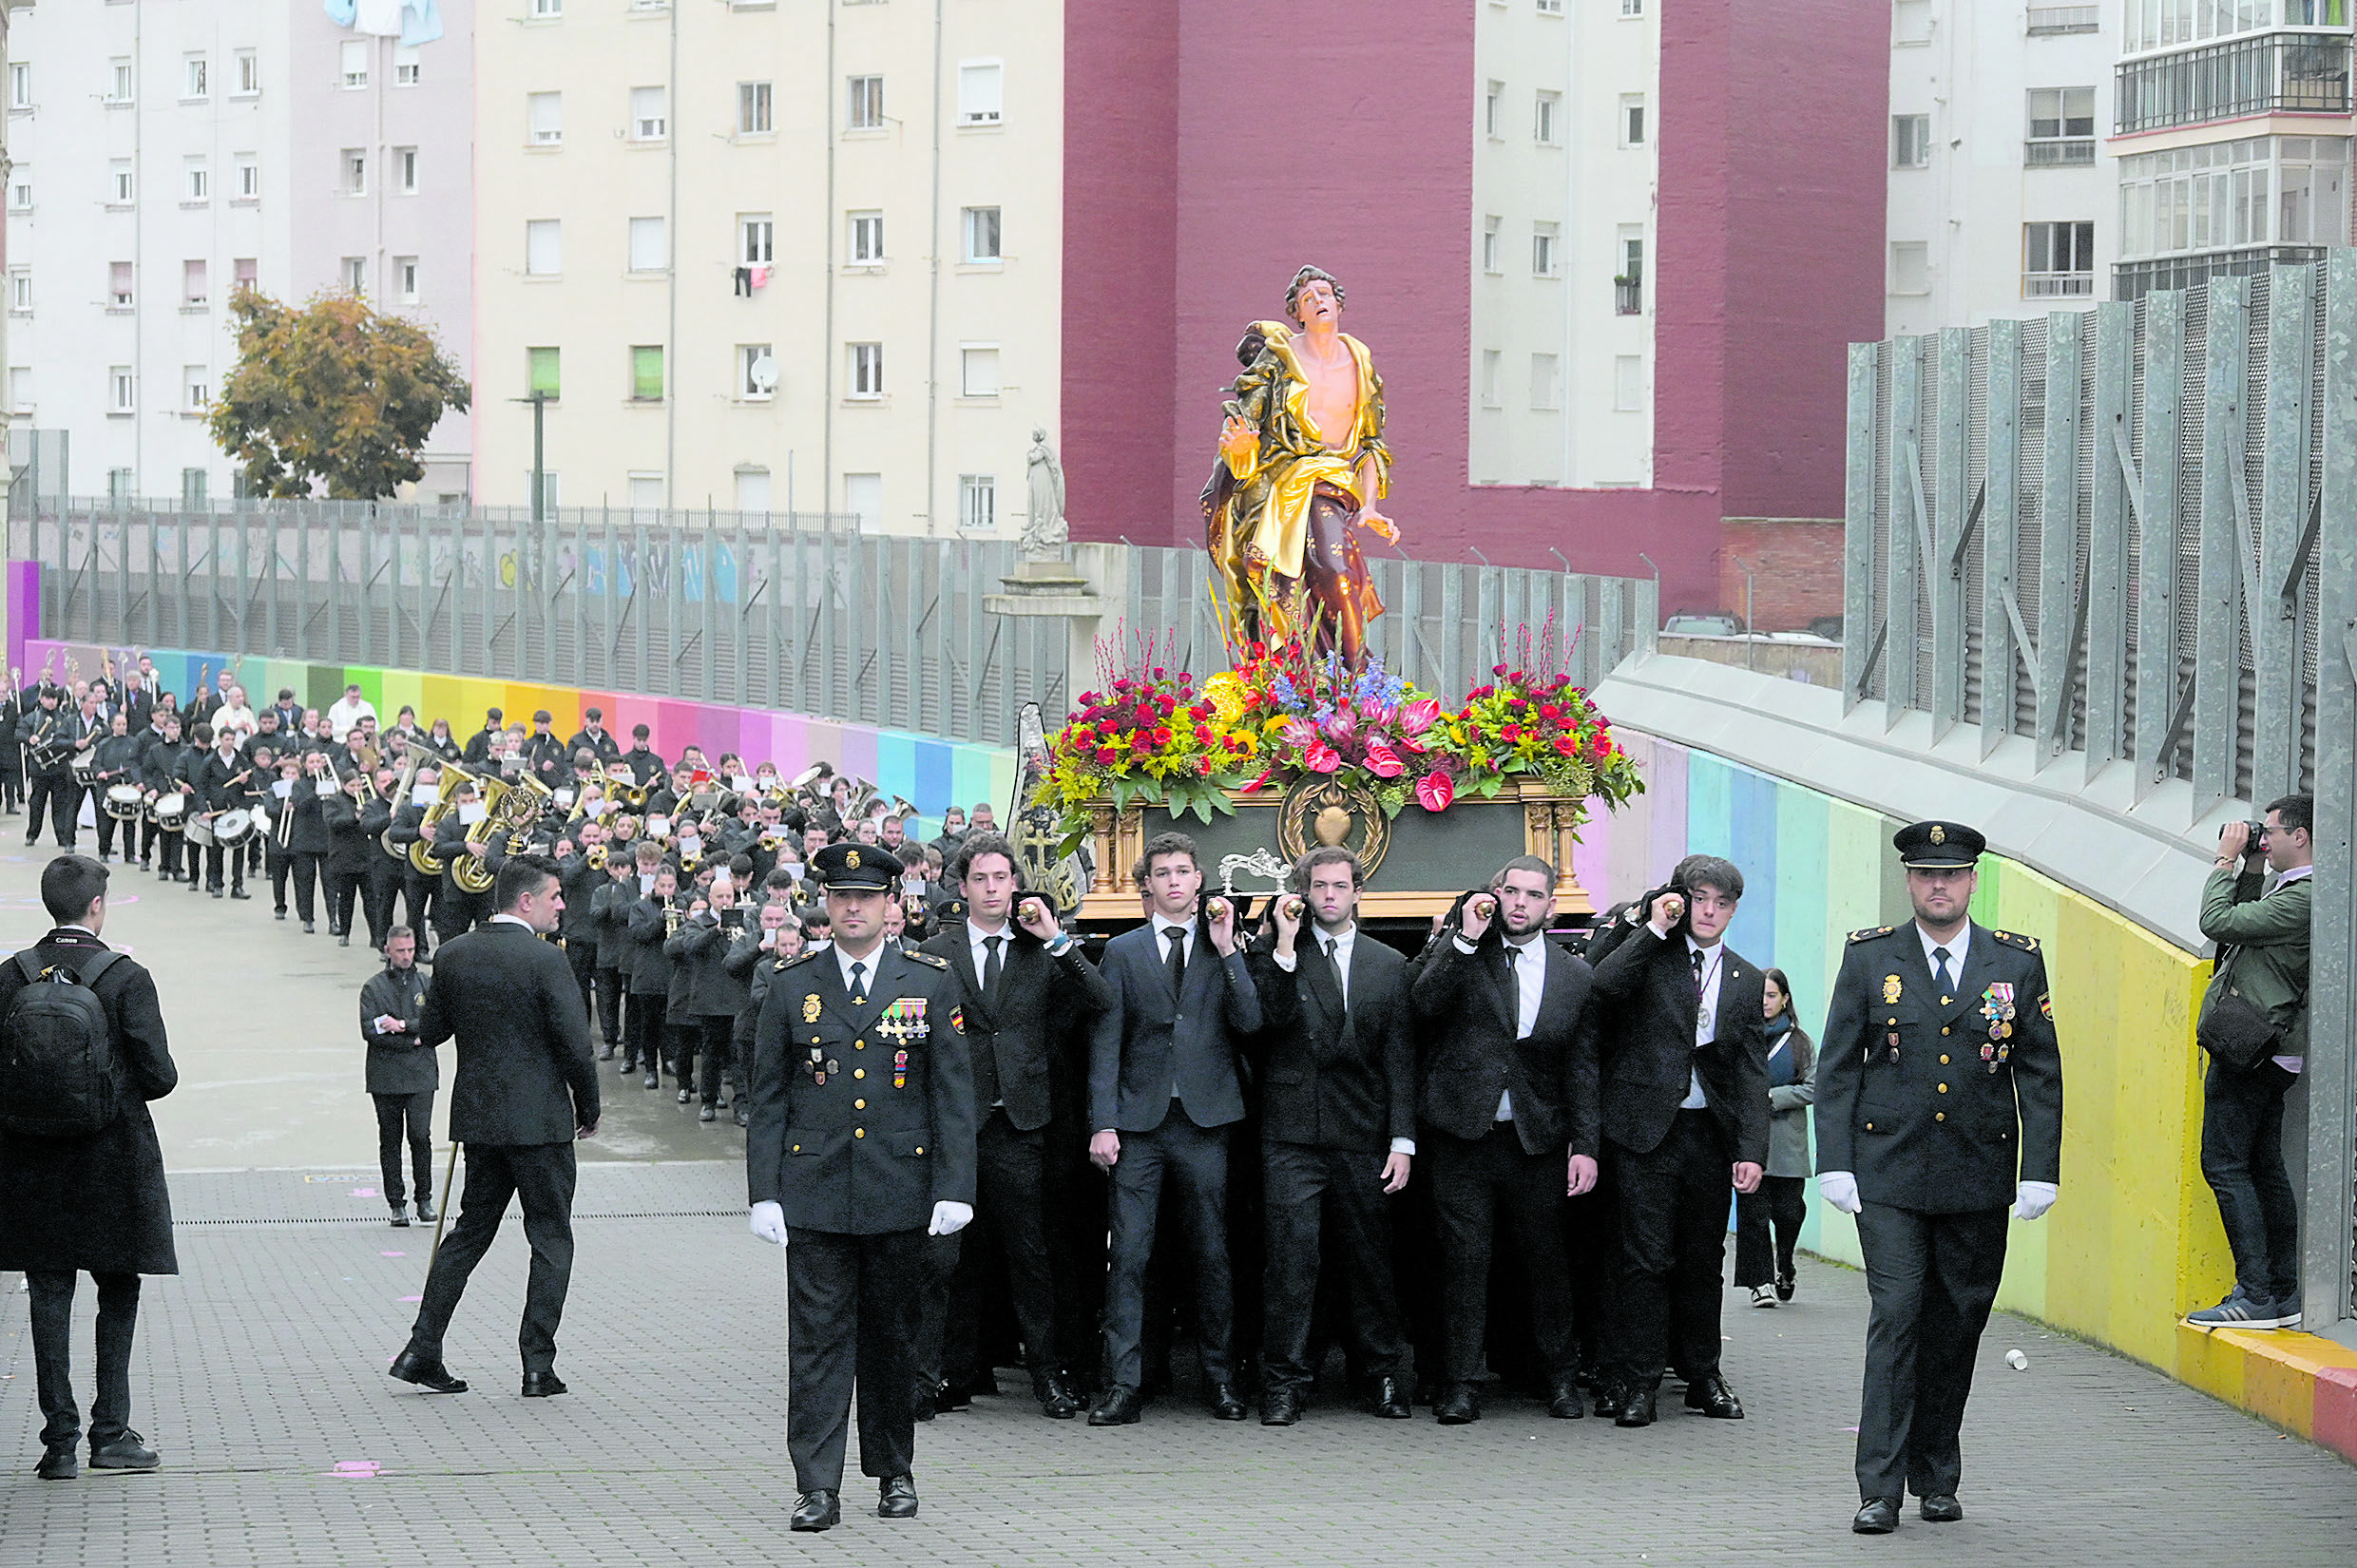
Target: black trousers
(343, 888)
(455, 913)
(1475, 1183)
(11, 791)
(582, 954)
(2242, 1159)
(214, 854)
(611, 988)
(151, 838)
(1672, 1243)
(52, 1292)
(1196, 1161)
(302, 867)
(1932, 1279)
(645, 1040)
(1302, 1188)
(419, 894)
(1781, 1205)
(1011, 1207)
(380, 883)
(408, 1117)
(714, 1047)
(851, 1322)
(106, 826)
(62, 797)
(542, 1174)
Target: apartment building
(765, 258)
(165, 153)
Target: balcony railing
(2264, 74)
(2074, 153)
(2058, 285)
(2055, 19)
(1628, 297)
(2133, 281)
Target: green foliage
(332, 393)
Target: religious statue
(1043, 529)
(1302, 464)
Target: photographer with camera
(2254, 1024)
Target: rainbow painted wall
(932, 772)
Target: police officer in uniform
(861, 1145)
(1939, 1106)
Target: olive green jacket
(2268, 935)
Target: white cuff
(1404, 1146)
(1462, 946)
(1287, 962)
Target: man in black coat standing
(1162, 1091)
(96, 1202)
(1026, 988)
(1509, 1097)
(527, 1088)
(861, 1146)
(1337, 1128)
(403, 1071)
(1685, 1115)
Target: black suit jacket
(1149, 1039)
(525, 1073)
(1467, 1003)
(1025, 1021)
(1644, 987)
(1332, 1074)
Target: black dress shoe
(896, 1497)
(425, 1211)
(311, 928)
(744, 1114)
(1225, 1406)
(343, 939)
(1636, 1406)
(1457, 1406)
(430, 1375)
(815, 1511)
(1786, 1285)
(542, 1384)
(607, 1054)
(654, 1079)
(707, 1113)
(58, 1462)
(1711, 1397)
(239, 892)
(1876, 1516)
(277, 914)
(1563, 1400)
(1120, 1407)
(686, 1095)
(1279, 1407)
(126, 1451)
(953, 1396)
(216, 894)
(1057, 1400)
(1942, 1509)
(1611, 1398)
(401, 1216)
(1390, 1401)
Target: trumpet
(671, 920)
(595, 857)
(621, 784)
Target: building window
(544, 247)
(756, 372)
(195, 79)
(2283, 190)
(2058, 260)
(1910, 21)
(121, 390)
(1550, 8)
(20, 85)
(351, 171)
(867, 370)
(1628, 383)
(1491, 360)
(196, 182)
(548, 493)
(977, 502)
(1544, 392)
(978, 370)
(120, 292)
(355, 275)
(20, 188)
(404, 279)
(2160, 23)
(752, 491)
(405, 170)
(1546, 125)
(195, 291)
(20, 389)
(1632, 7)
(756, 238)
(980, 96)
(2050, 20)
(20, 290)
(541, 373)
(193, 489)
(119, 89)
(352, 61)
(249, 73)
(1628, 284)
(543, 119)
(1493, 110)
(121, 186)
(1492, 263)
(249, 177)
(1910, 266)
(196, 384)
(867, 238)
(121, 484)
(649, 115)
(548, 10)
(866, 106)
(863, 497)
(981, 234)
(1632, 119)
(1547, 241)
(646, 372)
(648, 248)
(752, 108)
(2062, 128)
(1910, 141)
(245, 272)
(406, 63)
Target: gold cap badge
(851, 859)
(1939, 835)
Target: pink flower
(1323, 759)
(1343, 728)
(1298, 734)
(1258, 782)
(1435, 790)
(1383, 761)
(1419, 716)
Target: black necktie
(1331, 951)
(1938, 967)
(1178, 962)
(994, 965)
(1697, 956)
(859, 984)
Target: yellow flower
(1225, 691)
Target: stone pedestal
(1074, 591)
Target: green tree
(333, 392)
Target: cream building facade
(769, 258)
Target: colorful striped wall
(932, 772)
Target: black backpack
(57, 1058)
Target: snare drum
(233, 826)
(126, 802)
(200, 833)
(169, 812)
(85, 766)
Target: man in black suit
(1338, 1130)
(1162, 1092)
(225, 782)
(526, 1087)
(1938, 1064)
(594, 736)
(1508, 1097)
(861, 1147)
(463, 832)
(403, 1073)
(51, 733)
(92, 1200)
(1685, 1112)
(1027, 988)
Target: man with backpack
(81, 1051)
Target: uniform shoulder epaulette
(797, 960)
(1871, 932)
(2015, 938)
(930, 959)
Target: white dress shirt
(1706, 1014)
(868, 962)
(1956, 951)
(1163, 925)
(510, 920)
(1342, 945)
(978, 941)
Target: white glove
(768, 1222)
(2033, 1199)
(950, 1218)
(1840, 1189)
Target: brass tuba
(422, 858)
(473, 875)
